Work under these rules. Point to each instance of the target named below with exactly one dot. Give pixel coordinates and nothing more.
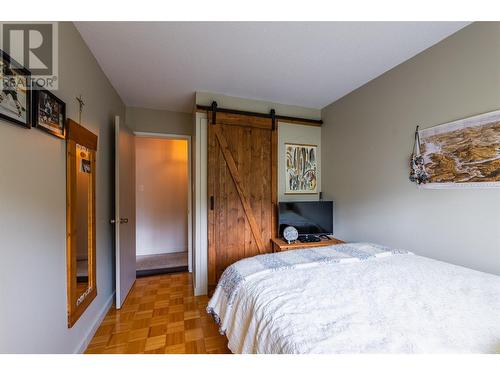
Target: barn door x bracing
(241, 189)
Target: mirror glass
(83, 209)
(81, 149)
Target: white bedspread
(401, 303)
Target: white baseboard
(157, 252)
(100, 317)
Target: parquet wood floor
(160, 315)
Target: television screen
(307, 217)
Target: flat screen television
(309, 218)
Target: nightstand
(281, 245)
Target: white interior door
(124, 211)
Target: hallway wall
(161, 195)
(159, 121)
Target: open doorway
(163, 203)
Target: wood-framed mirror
(81, 148)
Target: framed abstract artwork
(301, 169)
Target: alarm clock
(290, 234)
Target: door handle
(212, 203)
(122, 221)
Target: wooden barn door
(241, 190)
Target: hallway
(161, 263)
(160, 315)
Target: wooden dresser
(281, 245)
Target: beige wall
(300, 134)
(161, 195)
(251, 105)
(367, 140)
(158, 121)
(33, 314)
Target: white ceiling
(161, 64)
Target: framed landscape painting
(301, 169)
(15, 93)
(463, 153)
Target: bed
(356, 298)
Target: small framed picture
(85, 166)
(49, 113)
(15, 92)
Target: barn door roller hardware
(214, 112)
(214, 109)
(273, 119)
